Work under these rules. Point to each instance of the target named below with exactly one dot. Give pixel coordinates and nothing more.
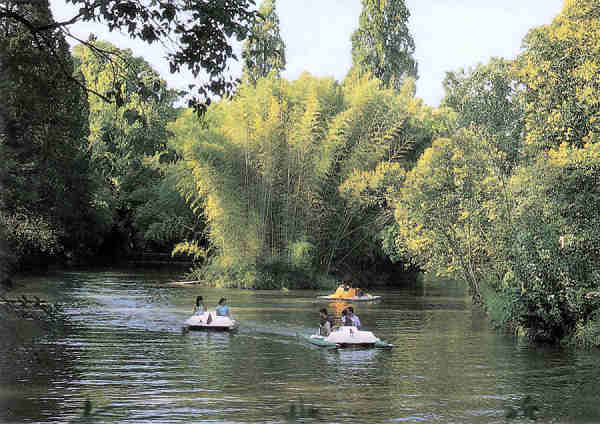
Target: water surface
(124, 351)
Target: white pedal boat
(210, 321)
(346, 336)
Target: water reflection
(126, 353)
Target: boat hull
(209, 321)
(348, 337)
(209, 328)
(351, 299)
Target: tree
(198, 31)
(264, 50)
(373, 130)
(7, 259)
(162, 218)
(370, 146)
(489, 99)
(551, 247)
(123, 137)
(560, 68)
(552, 250)
(445, 208)
(382, 44)
(43, 141)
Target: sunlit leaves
(560, 70)
(373, 188)
(137, 126)
(30, 235)
(553, 245)
(379, 125)
(443, 210)
(488, 99)
(251, 164)
(190, 248)
(267, 166)
(123, 136)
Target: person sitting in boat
(345, 291)
(350, 291)
(324, 323)
(199, 307)
(222, 309)
(344, 316)
(352, 319)
(339, 292)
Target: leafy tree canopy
(121, 136)
(489, 98)
(560, 68)
(198, 32)
(44, 118)
(382, 44)
(128, 145)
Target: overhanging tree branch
(200, 31)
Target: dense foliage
(297, 174)
(509, 202)
(45, 167)
(131, 192)
(560, 69)
(54, 204)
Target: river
(124, 351)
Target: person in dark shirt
(324, 323)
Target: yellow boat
(350, 294)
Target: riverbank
(279, 276)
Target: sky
(449, 35)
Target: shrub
(587, 333)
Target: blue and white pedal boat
(348, 337)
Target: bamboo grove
(292, 173)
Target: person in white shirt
(352, 319)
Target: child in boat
(324, 323)
(222, 309)
(199, 308)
